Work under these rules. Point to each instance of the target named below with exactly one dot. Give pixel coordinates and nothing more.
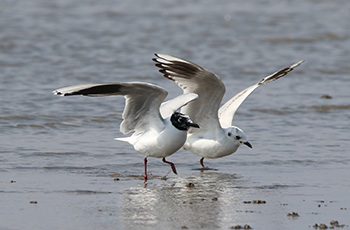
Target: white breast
(160, 143)
(215, 146)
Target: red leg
(145, 177)
(201, 161)
(171, 164)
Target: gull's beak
(248, 144)
(193, 125)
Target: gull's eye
(229, 134)
(237, 137)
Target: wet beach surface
(61, 169)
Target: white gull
(159, 130)
(217, 136)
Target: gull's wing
(142, 105)
(228, 110)
(195, 79)
(169, 107)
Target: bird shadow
(205, 169)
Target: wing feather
(169, 107)
(228, 110)
(142, 105)
(195, 79)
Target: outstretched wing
(142, 105)
(169, 107)
(195, 79)
(228, 110)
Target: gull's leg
(145, 177)
(201, 161)
(171, 164)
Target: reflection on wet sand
(193, 202)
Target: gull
(217, 136)
(158, 129)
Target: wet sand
(199, 200)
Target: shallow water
(61, 169)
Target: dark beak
(248, 144)
(193, 125)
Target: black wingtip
(58, 93)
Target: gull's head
(237, 135)
(182, 121)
